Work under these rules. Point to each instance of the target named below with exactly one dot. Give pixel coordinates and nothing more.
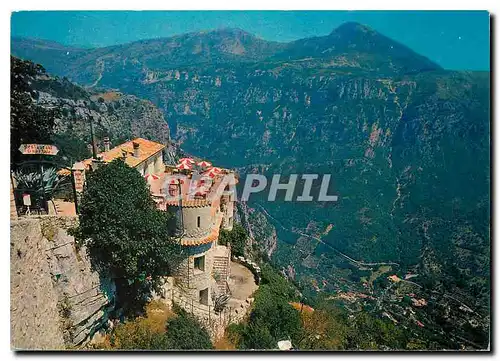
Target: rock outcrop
(34, 313)
(57, 299)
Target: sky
(458, 40)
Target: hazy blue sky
(455, 40)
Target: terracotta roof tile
(190, 203)
(147, 149)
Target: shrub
(237, 237)
(272, 318)
(185, 333)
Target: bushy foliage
(237, 237)
(124, 233)
(371, 333)
(272, 318)
(277, 284)
(276, 315)
(186, 333)
(138, 335)
(323, 330)
(160, 329)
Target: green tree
(276, 314)
(29, 123)
(272, 318)
(181, 331)
(124, 233)
(256, 336)
(279, 286)
(237, 237)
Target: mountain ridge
(344, 47)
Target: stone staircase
(222, 269)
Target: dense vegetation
(237, 238)
(282, 311)
(159, 329)
(185, 333)
(272, 318)
(29, 123)
(125, 234)
(279, 313)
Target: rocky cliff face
(115, 115)
(34, 315)
(260, 230)
(57, 299)
(118, 116)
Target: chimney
(96, 162)
(137, 151)
(107, 144)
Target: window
(199, 263)
(198, 221)
(204, 296)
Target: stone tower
(204, 274)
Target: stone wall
(228, 207)
(49, 273)
(194, 280)
(214, 322)
(190, 217)
(251, 265)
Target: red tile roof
(190, 203)
(147, 148)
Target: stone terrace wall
(214, 322)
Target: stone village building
(206, 270)
(204, 275)
(46, 263)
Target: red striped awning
(184, 166)
(187, 160)
(204, 164)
